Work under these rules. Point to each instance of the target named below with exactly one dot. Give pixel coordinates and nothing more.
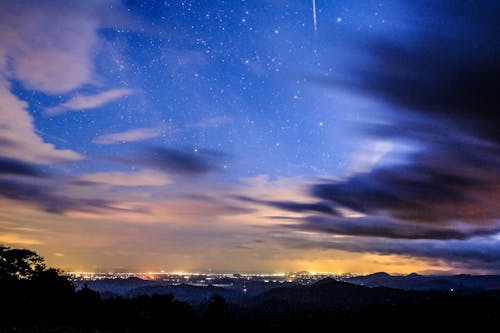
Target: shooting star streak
(314, 16)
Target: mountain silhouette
(415, 281)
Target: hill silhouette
(350, 307)
(330, 294)
(415, 281)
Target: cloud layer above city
(232, 136)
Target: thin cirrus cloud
(145, 133)
(58, 194)
(45, 195)
(133, 135)
(176, 162)
(186, 162)
(291, 206)
(86, 102)
(12, 238)
(386, 228)
(88, 193)
(139, 178)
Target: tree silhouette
(20, 264)
(217, 310)
(32, 293)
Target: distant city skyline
(251, 135)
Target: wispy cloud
(11, 238)
(145, 133)
(292, 206)
(387, 228)
(46, 196)
(139, 178)
(18, 139)
(179, 162)
(133, 135)
(42, 49)
(86, 102)
(366, 159)
(175, 161)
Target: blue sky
(171, 134)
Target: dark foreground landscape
(40, 299)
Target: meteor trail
(314, 15)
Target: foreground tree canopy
(20, 264)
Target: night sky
(233, 136)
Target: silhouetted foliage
(217, 310)
(19, 264)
